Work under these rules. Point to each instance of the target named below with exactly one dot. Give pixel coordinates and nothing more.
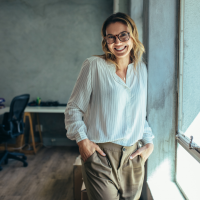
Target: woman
(111, 93)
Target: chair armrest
(3, 133)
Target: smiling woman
(119, 47)
(111, 97)
(123, 22)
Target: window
(188, 133)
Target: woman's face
(118, 48)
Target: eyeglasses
(123, 36)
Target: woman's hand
(87, 148)
(144, 151)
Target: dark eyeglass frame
(117, 36)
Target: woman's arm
(76, 107)
(78, 104)
(147, 134)
(147, 140)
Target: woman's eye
(123, 34)
(110, 36)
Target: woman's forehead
(116, 28)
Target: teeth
(120, 48)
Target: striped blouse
(103, 108)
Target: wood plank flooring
(49, 176)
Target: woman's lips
(119, 49)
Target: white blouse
(113, 111)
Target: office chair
(12, 127)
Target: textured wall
(42, 46)
(124, 6)
(191, 65)
(44, 42)
(157, 24)
(161, 24)
(136, 13)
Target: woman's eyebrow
(118, 33)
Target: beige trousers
(115, 176)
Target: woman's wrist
(83, 142)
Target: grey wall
(161, 42)
(191, 66)
(136, 13)
(124, 6)
(162, 66)
(43, 44)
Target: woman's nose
(117, 40)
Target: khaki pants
(115, 176)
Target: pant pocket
(97, 166)
(104, 160)
(90, 158)
(142, 160)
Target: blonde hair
(138, 48)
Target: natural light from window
(188, 173)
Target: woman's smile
(120, 49)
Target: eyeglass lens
(124, 36)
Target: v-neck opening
(117, 78)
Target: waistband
(118, 148)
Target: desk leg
(35, 146)
(31, 131)
(20, 140)
(40, 132)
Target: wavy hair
(138, 48)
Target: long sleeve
(78, 104)
(147, 135)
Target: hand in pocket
(144, 152)
(87, 148)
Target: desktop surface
(39, 109)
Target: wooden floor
(48, 176)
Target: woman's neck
(123, 63)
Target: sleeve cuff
(80, 136)
(147, 138)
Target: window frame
(192, 148)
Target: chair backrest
(17, 108)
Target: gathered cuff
(80, 136)
(147, 138)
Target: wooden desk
(29, 111)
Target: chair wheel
(6, 162)
(25, 164)
(0, 168)
(24, 157)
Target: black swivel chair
(13, 126)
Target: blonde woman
(110, 94)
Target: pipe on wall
(180, 75)
(115, 6)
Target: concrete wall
(121, 6)
(191, 66)
(161, 42)
(136, 13)
(162, 66)
(43, 45)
